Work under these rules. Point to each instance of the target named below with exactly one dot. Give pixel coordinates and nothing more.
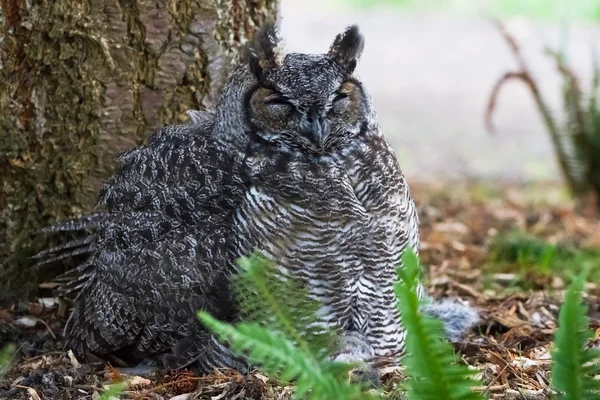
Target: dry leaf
(33, 394)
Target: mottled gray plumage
(292, 163)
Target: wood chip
(73, 360)
(26, 322)
(33, 394)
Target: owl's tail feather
(74, 250)
(71, 281)
(77, 224)
(81, 245)
(73, 245)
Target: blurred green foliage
(533, 260)
(5, 355)
(536, 9)
(113, 391)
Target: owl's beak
(317, 126)
(317, 131)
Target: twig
(166, 385)
(88, 387)
(50, 353)
(498, 375)
(47, 327)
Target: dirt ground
(459, 223)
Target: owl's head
(306, 102)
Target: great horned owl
(292, 163)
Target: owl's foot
(355, 349)
(458, 317)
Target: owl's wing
(159, 251)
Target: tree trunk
(83, 81)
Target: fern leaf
(430, 361)
(574, 365)
(279, 356)
(268, 297)
(282, 334)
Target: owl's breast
(340, 229)
(320, 233)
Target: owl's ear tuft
(261, 52)
(347, 48)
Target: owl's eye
(278, 107)
(340, 103)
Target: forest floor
(509, 251)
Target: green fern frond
(271, 298)
(279, 357)
(580, 143)
(430, 361)
(573, 365)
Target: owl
(292, 163)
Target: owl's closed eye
(271, 111)
(277, 115)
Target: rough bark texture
(81, 82)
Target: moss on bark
(83, 81)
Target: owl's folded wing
(158, 252)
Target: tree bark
(82, 81)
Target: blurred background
(430, 67)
